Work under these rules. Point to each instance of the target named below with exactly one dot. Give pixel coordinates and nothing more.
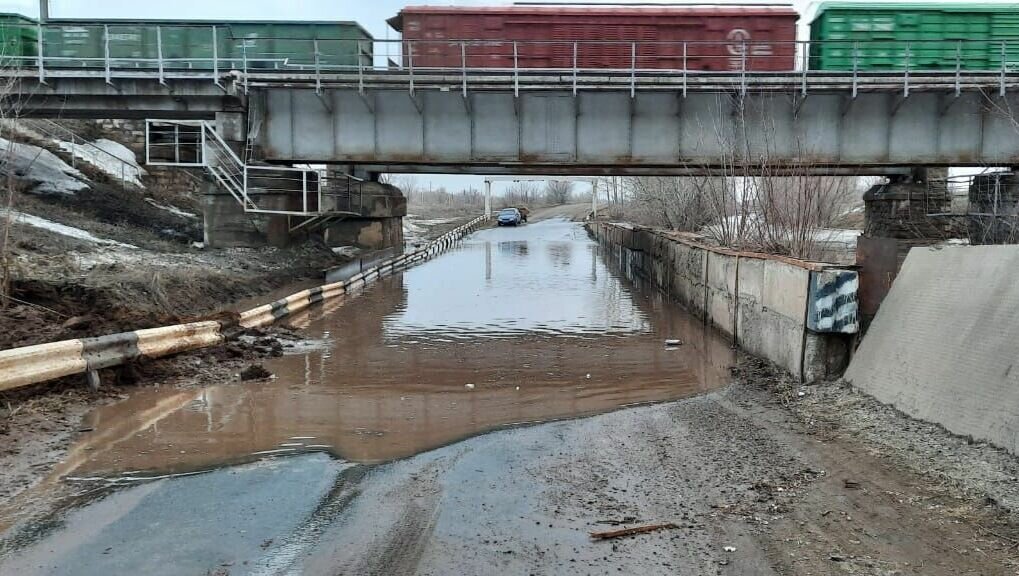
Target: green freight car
(892, 36)
(189, 45)
(17, 40)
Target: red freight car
(654, 37)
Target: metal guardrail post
(410, 65)
(516, 72)
(684, 68)
(204, 161)
(1004, 56)
(244, 62)
(244, 189)
(633, 69)
(215, 57)
(360, 70)
(905, 79)
(743, 68)
(804, 65)
(41, 57)
(159, 52)
(318, 70)
(463, 66)
(304, 191)
(106, 51)
(574, 69)
(958, 68)
(856, 67)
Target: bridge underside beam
(617, 170)
(651, 133)
(124, 98)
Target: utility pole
(44, 11)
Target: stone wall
(765, 303)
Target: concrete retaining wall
(945, 343)
(763, 302)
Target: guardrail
(34, 364)
(742, 61)
(128, 173)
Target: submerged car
(509, 217)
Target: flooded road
(518, 325)
(515, 326)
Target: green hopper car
(896, 36)
(17, 39)
(189, 45)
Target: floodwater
(516, 325)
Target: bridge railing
(168, 51)
(266, 189)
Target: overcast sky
(372, 14)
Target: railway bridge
(365, 120)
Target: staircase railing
(123, 170)
(258, 188)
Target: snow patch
(113, 158)
(69, 231)
(45, 172)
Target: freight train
(185, 45)
(868, 36)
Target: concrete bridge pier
(372, 213)
(227, 225)
(898, 217)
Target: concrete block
(825, 356)
(751, 280)
(785, 289)
(722, 272)
(721, 310)
(772, 336)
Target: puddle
(517, 325)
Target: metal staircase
(262, 189)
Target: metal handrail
(53, 130)
(211, 151)
(415, 52)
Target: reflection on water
(517, 325)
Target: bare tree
(10, 110)
(558, 191)
(524, 192)
(750, 198)
(674, 203)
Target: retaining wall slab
(944, 346)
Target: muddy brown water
(515, 326)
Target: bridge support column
(488, 198)
(227, 225)
(375, 212)
(897, 218)
(232, 127)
